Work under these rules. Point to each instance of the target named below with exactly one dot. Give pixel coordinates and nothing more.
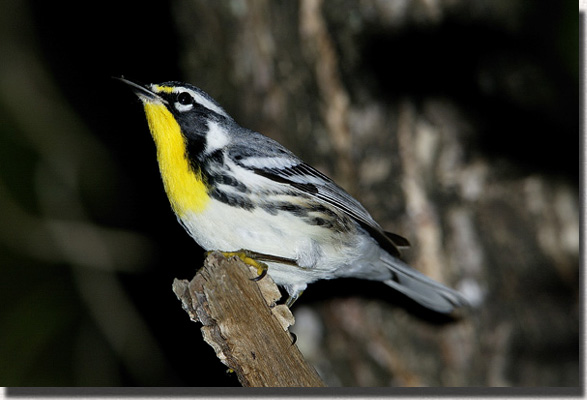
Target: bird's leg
(256, 259)
(292, 299)
(268, 257)
(248, 258)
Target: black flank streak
(232, 200)
(293, 208)
(321, 222)
(230, 181)
(269, 209)
(318, 208)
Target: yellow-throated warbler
(232, 189)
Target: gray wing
(283, 167)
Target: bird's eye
(184, 98)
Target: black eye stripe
(185, 98)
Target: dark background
(77, 167)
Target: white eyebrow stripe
(205, 102)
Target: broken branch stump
(243, 324)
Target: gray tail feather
(421, 288)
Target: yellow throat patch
(185, 188)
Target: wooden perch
(242, 322)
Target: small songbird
(237, 190)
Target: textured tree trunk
(507, 238)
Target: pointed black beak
(142, 91)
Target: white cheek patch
(216, 137)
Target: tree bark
(242, 322)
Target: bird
(242, 193)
